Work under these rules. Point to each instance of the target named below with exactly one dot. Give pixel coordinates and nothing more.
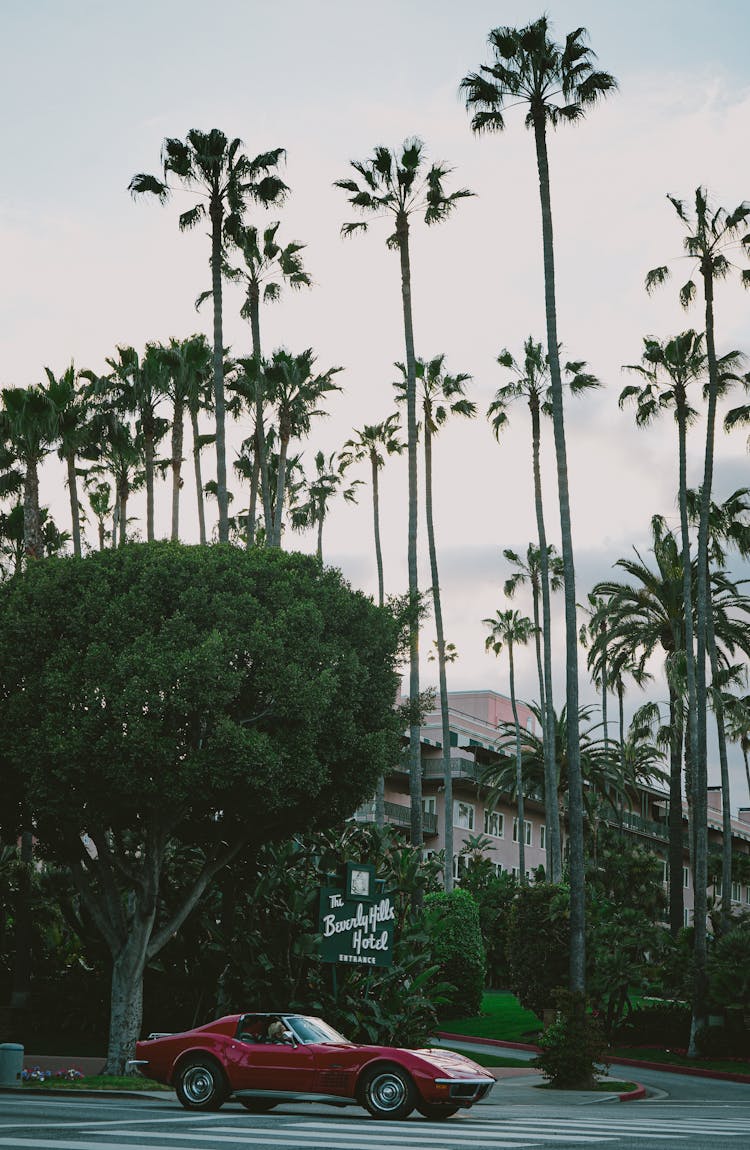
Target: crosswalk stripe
(381, 1134)
(70, 1144)
(264, 1137)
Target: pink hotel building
(474, 719)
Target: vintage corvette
(264, 1059)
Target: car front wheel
(388, 1092)
(200, 1085)
(436, 1111)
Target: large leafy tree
(711, 234)
(398, 184)
(530, 380)
(556, 83)
(440, 395)
(225, 179)
(510, 629)
(209, 698)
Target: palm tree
(737, 711)
(710, 234)
(121, 456)
(398, 185)
(225, 179)
(188, 365)
(100, 501)
(138, 386)
(315, 494)
(295, 392)
(72, 413)
(531, 380)
(27, 423)
(441, 395)
(557, 84)
(372, 440)
(529, 571)
(509, 628)
(266, 263)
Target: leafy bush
(494, 895)
(539, 945)
(457, 948)
(661, 1024)
(573, 1047)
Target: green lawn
(483, 1059)
(502, 1017)
(649, 1054)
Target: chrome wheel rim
(387, 1091)
(198, 1084)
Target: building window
(687, 916)
(686, 877)
(463, 815)
(747, 895)
(494, 824)
(543, 838)
(459, 867)
(428, 805)
(527, 831)
(736, 892)
(664, 872)
(498, 869)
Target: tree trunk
(21, 987)
(319, 551)
(126, 1003)
(676, 854)
(260, 437)
(519, 774)
(280, 482)
(252, 509)
(551, 806)
(148, 447)
(32, 533)
(415, 759)
(575, 783)
(198, 475)
(726, 805)
(75, 510)
(222, 498)
(442, 678)
(177, 440)
(700, 802)
(380, 788)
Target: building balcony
(396, 814)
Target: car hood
(447, 1062)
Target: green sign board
(357, 929)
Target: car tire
(257, 1105)
(387, 1091)
(201, 1085)
(437, 1111)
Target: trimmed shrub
(538, 945)
(457, 949)
(573, 1047)
(663, 1024)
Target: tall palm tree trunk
(726, 806)
(280, 482)
(551, 806)
(415, 763)
(676, 855)
(75, 508)
(519, 774)
(198, 475)
(177, 441)
(252, 509)
(148, 448)
(575, 782)
(32, 533)
(687, 594)
(319, 551)
(380, 788)
(260, 436)
(442, 678)
(216, 212)
(700, 782)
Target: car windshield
(314, 1030)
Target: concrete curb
(67, 1092)
(633, 1095)
(487, 1041)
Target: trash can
(11, 1064)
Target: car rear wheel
(258, 1105)
(200, 1085)
(437, 1111)
(388, 1092)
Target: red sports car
(264, 1059)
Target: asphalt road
(681, 1112)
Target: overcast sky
(91, 88)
